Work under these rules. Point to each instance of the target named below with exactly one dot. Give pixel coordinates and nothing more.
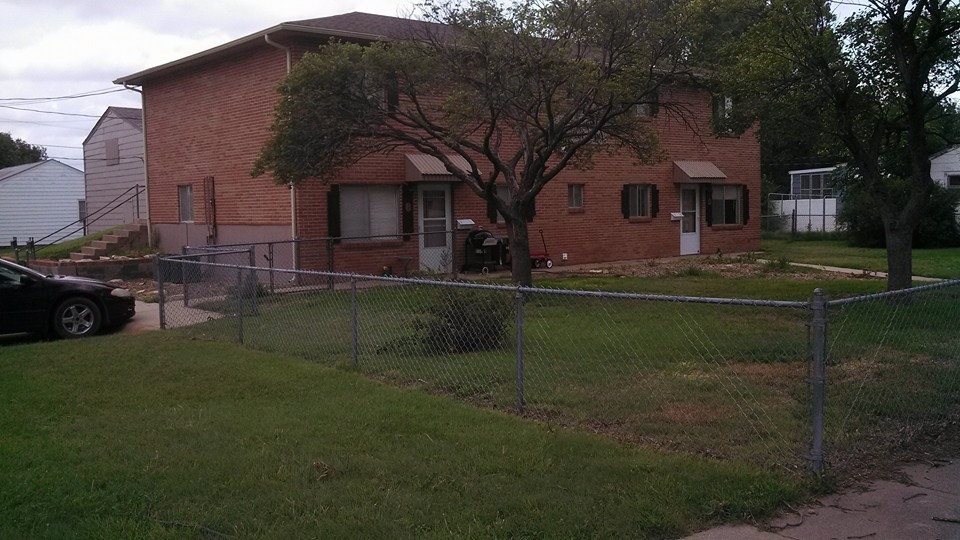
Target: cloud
(59, 47)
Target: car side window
(9, 277)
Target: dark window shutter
(406, 200)
(654, 201)
(746, 205)
(708, 203)
(492, 209)
(333, 212)
(625, 201)
(532, 209)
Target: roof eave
(137, 79)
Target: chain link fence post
(355, 352)
(239, 304)
(818, 361)
(161, 299)
(519, 323)
(184, 279)
(329, 244)
(270, 264)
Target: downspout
(293, 187)
(146, 192)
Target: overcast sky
(52, 48)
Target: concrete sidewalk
(853, 271)
(924, 506)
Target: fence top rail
(893, 294)
(321, 239)
(186, 257)
(508, 288)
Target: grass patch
(162, 436)
(940, 263)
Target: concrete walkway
(853, 272)
(924, 506)
(146, 319)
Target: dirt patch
(725, 266)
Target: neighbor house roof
(352, 26)
(10, 172)
(130, 115)
(944, 152)
(17, 169)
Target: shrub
(463, 320)
(938, 228)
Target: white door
(690, 222)
(436, 240)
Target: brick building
(206, 117)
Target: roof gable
(16, 170)
(130, 115)
(351, 26)
(942, 153)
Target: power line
(48, 112)
(35, 100)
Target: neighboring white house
(811, 201)
(37, 199)
(945, 168)
(114, 170)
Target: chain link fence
(726, 378)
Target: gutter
(146, 192)
(293, 187)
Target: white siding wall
(814, 215)
(105, 181)
(941, 166)
(39, 201)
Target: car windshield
(22, 269)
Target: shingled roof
(355, 26)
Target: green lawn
(723, 381)
(941, 263)
(162, 436)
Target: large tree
(18, 152)
(878, 79)
(520, 91)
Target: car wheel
(77, 317)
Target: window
(953, 181)
(575, 196)
(186, 203)
(722, 114)
(649, 107)
(815, 185)
(112, 148)
(726, 205)
(637, 200)
(370, 211)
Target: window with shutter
(369, 212)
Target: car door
(23, 301)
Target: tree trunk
(518, 232)
(899, 257)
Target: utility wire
(48, 112)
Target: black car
(70, 306)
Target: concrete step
(91, 252)
(78, 257)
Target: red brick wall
(213, 119)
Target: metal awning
(697, 172)
(424, 168)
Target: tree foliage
(877, 79)
(18, 152)
(520, 91)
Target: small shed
(38, 199)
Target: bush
(463, 320)
(859, 218)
